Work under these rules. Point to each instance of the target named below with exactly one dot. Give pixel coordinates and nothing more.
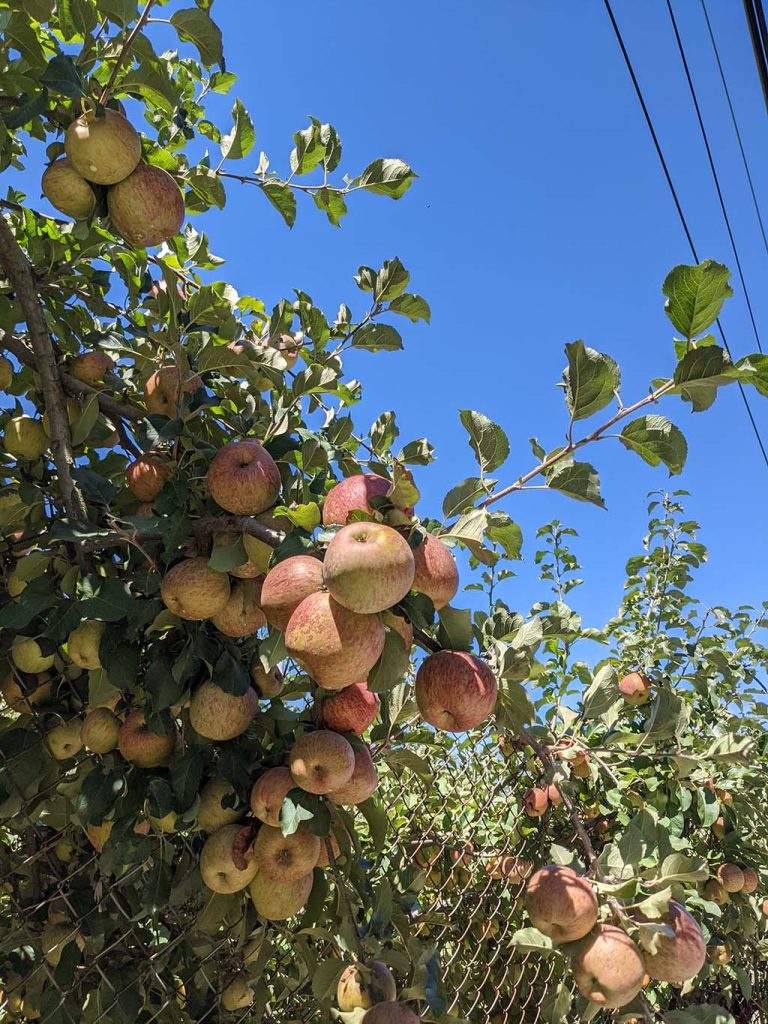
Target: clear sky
(540, 216)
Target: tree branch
(20, 274)
(106, 92)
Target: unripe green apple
(25, 438)
(83, 644)
(27, 655)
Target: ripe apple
(243, 478)
(718, 828)
(194, 591)
(716, 893)
(719, 953)
(277, 901)
(608, 969)
(242, 615)
(100, 730)
(352, 709)
(268, 684)
(25, 438)
(147, 207)
(27, 655)
(362, 784)
(635, 688)
(64, 739)
(143, 747)
(436, 573)
(286, 586)
(751, 880)
(90, 367)
(163, 390)
(146, 477)
(561, 904)
(219, 715)
(211, 812)
(67, 190)
(104, 147)
(364, 985)
(390, 1013)
(268, 793)
(336, 646)
(535, 802)
(237, 994)
(512, 869)
(6, 373)
(83, 644)
(368, 567)
(99, 834)
(354, 494)
(554, 796)
(731, 877)
(286, 858)
(681, 955)
(321, 761)
(455, 691)
(23, 695)
(217, 861)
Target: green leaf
(413, 306)
(331, 202)
(454, 631)
(99, 793)
(602, 693)
(378, 822)
(387, 177)
(194, 25)
(391, 281)
(679, 868)
(383, 432)
(391, 666)
(730, 748)
(377, 338)
(591, 380)
(532, 939)
(695, 295)
(185, 775)
(699, 374)
(325, 978)
(704, 1013)
(506, 533)
(486, 439)
(463, 496)
(309, 150)
(205, 190)
(240, 141)
(110, 601)
(231, 674)
(754, 370)
(63, 76)
(292, 813)
(282, 198)
(307, 517)
(228, 556)
(578, 480)
(656, 440)
(86, 421)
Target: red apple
(243, 478)
(436, 572)
(352, 709)
(368, 567)
(354, 494)
(286, 586)
(455, 691)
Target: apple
(277, 901)
(401, 626)
(147, 207)
(436, 573)
(751, 880)
(321, 761)
(511, 869)
(99, 834)
(64, 739)
(368, 567)
(731, 877)
(287, 585)
(67, 190)
(608, 968)
(146, 477)
(194, 591)
(6, 373)
(217, 861)
(103, 147)
(27, 655)
(219, 715)
(364, 985)
(390, 1013)
(237, 994)
(64, 851)
(719, 953)
(285, 858)
(243, 478)
(268, 793)
(90, 367)
(336, 646)
(635, 688)
(268, 684)
(324, 857)
(143, 747)
(242, 615)
(100, 730)
(354, 494)
(680, 955)
(83, 644)
(718, 828)
(23, 695)
(455, 691)
(25, 438)
(536, 801)
(362, 784)
(211, 812)
(247, 570)
(163, 390)
(352, 709)
(716, 893)
(554, 796)
(561, 904)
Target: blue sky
(540, 216)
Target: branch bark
(19, 272)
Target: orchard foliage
(151, 679)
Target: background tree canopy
(258, 762)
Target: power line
(759, 36)
(735, 124)
(678, 206)
(712, 167)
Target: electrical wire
(675, 197)
(727, 92)
(758, 33)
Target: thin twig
(106, 92)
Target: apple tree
(236, 678)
